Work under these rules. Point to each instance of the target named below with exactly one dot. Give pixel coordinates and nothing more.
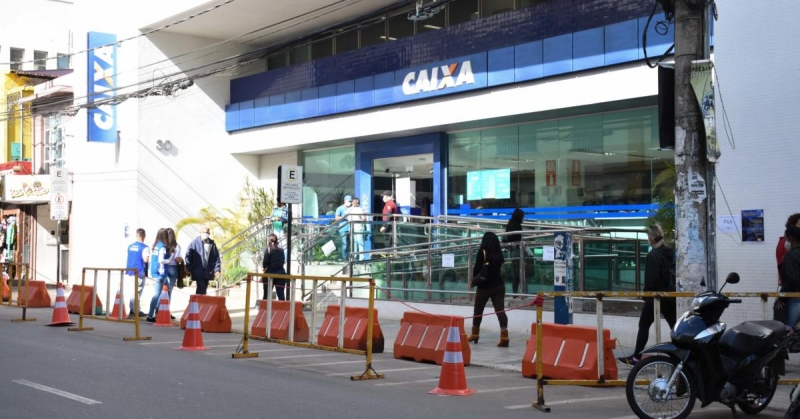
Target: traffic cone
(453, 379)
(60, 315)
(193, 337)
(163, 317)
(117, 307)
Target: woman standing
(514, 224)
(790, 274)
(170, 256)
(273, 264)
(492, 287)
(157, 272)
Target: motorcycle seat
(752, 337)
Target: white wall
(36, 25)
(759, 92)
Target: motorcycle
(736, 367)
(793, 412)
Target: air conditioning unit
(16, 151)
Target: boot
(476, 331)
(503, 339)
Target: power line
(210, 9)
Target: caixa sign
(102, 85)
(441, 78)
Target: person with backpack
(659, 276)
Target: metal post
(288, 241)
(94, 296)
(657, 316)
(244, 350)
(290, 294)
(58, 252)
(523, 281)
(539, 404)
(369, 372)
(136, 307)
(81, 304)
(108, 292)
(600, 342)
(638, 272)
(314, 312)
(341, 315)
(121, 293)
(269, 307)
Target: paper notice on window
(448, 260)
(549, 253)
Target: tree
(664, 191)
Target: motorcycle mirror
(733, 278)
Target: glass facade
(328, 177)
(593, 160)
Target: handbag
(181, 275)
(482, 274)
(328, 248)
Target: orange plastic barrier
(213, 314)
(423, 338)
(74, 300)
(570, 353)
(36, 295)
(279, 324)
(355, 329)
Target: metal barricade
(106, 317)
(243, 349)
(601, 380)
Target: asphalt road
(51, 372)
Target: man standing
(138, 254)
(389, 208)
(358, 226)
(344, 227)
(202, 260)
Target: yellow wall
(10, 119)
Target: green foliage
(234, 275)
(664, 196)
(261, 202)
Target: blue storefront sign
(563, 275)
(102, 84)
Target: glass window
(493, 7)
(462, 11)
(63, 61)
(17, 55)
(276, 60)
(433, 23)
(329, 175)
(526, 3)
(40, 58)
(347, 41)
(373, 34)
(322, 48)
(400, 27)
(299, 55)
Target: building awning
(7, 168)
(42, 74)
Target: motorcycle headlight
(697, 301)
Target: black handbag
(482, 274)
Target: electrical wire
(736, 240)
(662, 28)
(210, 9)
(726, 122)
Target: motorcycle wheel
(793, 412)
(755, 403)
(647, 383)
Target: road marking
(180, 341)
(432, 380)
(300, 356)
(393, 370)
(321, 364)
(495, 390)
(556, 403)
(705, 409)
(57, 392)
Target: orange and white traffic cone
(118, 313)
(453, 379)
(193, 337)
(163, 317)
(60, 314)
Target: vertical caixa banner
(102, 84)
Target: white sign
(728, 223)
(58, 182)
(549, 253)
(26, 189)
(290, 184)
(448, 260)
(59, 207)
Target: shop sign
(441, 78)
(26, 188)
(102, 84)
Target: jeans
(358, 244)
(793, 312)
(169, 280)
(344, 236)
(138, 287)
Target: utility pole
(694, 183)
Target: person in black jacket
(514, 224)
(274, 258)
(658, 276)
(492, 287)
(790, 274)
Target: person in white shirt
(358, 226)
(168, 258)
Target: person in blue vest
(157, 273)
(138, 255)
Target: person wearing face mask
(202, 260)
(790, 274)
(783, 245)
(273, 264)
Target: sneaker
(150, 320)
(628, 360)
(141, 314)
(172, 317)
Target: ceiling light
(432, 27)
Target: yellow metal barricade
(106, 317)
(601, 380)
(19, 272)
(243, 349)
